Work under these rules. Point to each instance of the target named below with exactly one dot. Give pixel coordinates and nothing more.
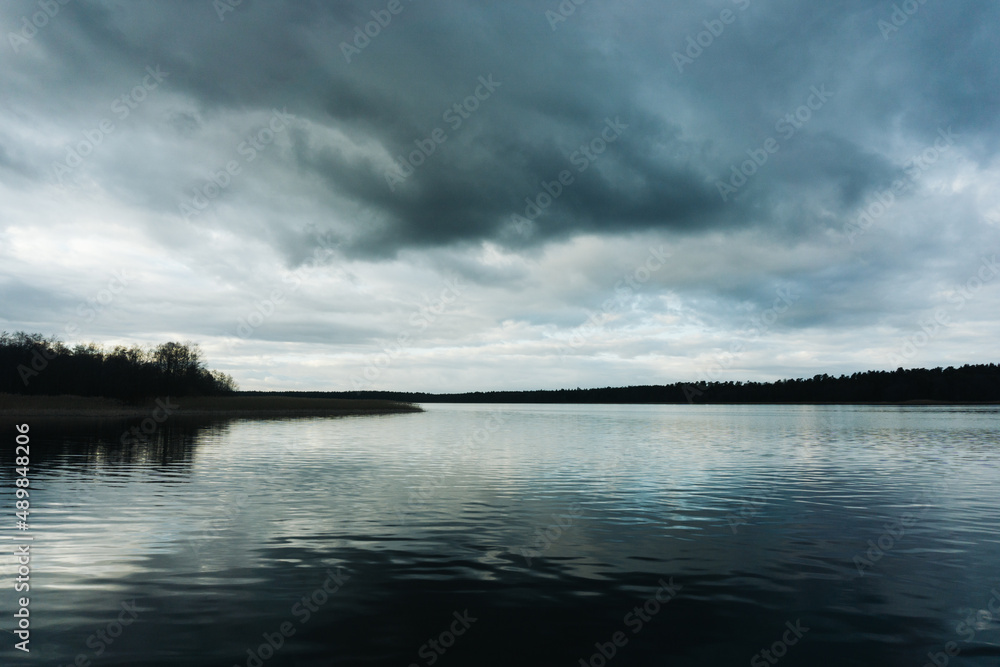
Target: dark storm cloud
(557, 90)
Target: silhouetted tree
(34, 364)
(968, 383)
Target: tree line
(35, 365)
(970, 383)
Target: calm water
(519, 535)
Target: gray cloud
(329, 176)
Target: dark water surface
(518, 535)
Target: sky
(459, 196)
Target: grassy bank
(14, 407)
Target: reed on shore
(14, 406)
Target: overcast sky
(457, 195)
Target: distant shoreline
(548, 397)
(16, 407)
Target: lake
(518, 535)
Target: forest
(31, 364)
(970, 383)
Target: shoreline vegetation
(43, 376)
(260, 406)
(967, 385)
